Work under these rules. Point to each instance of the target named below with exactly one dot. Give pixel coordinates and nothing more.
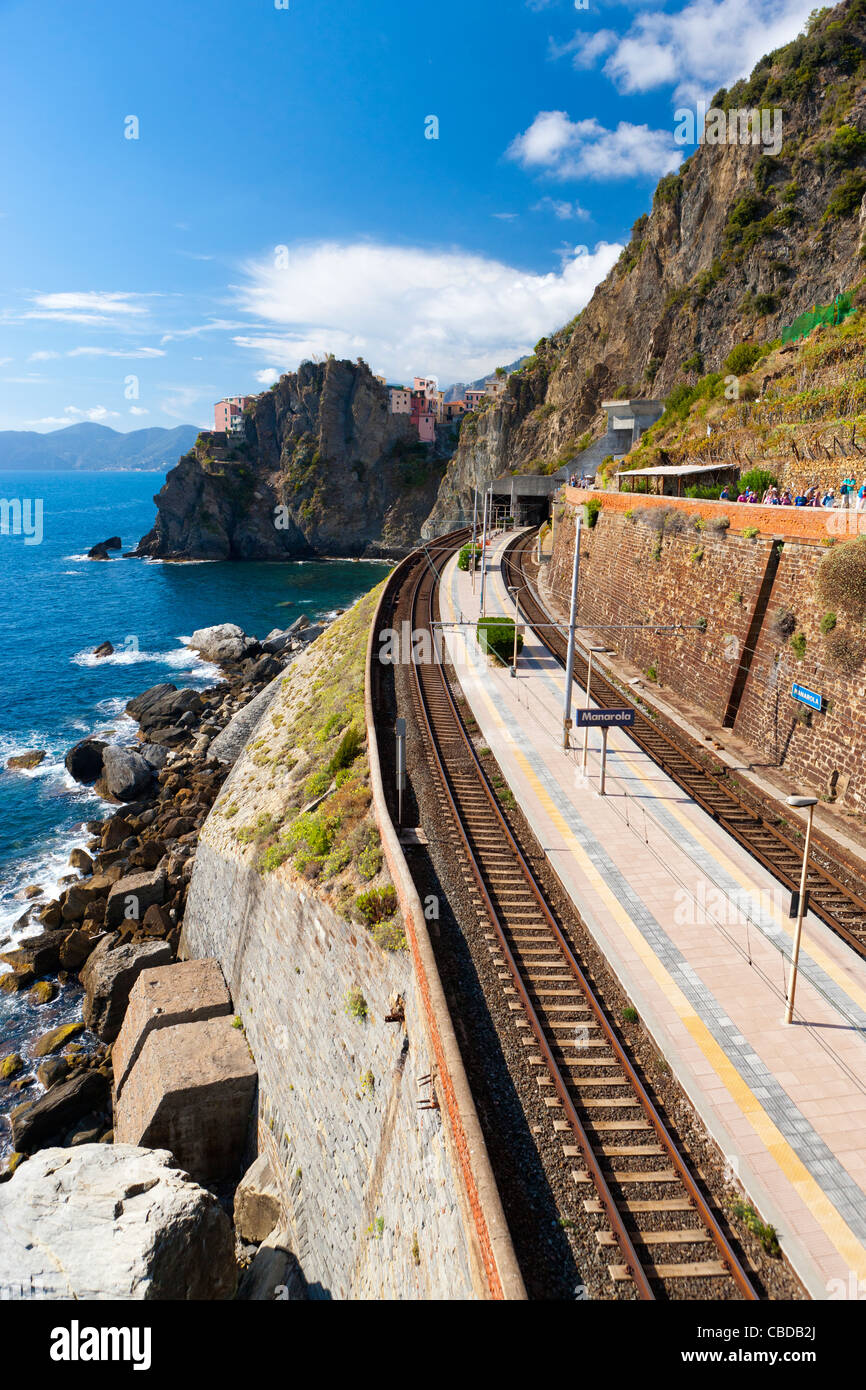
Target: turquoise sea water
(57, 606)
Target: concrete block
(186, 992)
(191, 1091)
(257, 1202)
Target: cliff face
(737, 244)
(323, 468)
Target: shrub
(844, 652)
(695, 363)
(464, 557)
(841, 580)
(652, 671)
(668, 189)
(846, 196)
(347, 750)
(758, 479)
(750, 532)
(765, 1233)
(317, 785)
(798, 645)
(389, 935)
(743, 357)
(846, 146)
(593, 507)
(496, 637)
(783, 624)
(356, 1004)
(369, 861)
(827, 623)
(376, 904)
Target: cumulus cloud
(566, 149)
(72, 414)
(705, 45)
(138, 410)
(406, 310)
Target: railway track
(839, 906)
(655, 1231)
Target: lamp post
(572, 615)
(474, 535)
(592, 648)
(514, 591)
(488, 493)
(802, 803)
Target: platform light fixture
(800, 803)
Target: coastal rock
(223, 642)
(50, 915)
(75, 901)
(11, 1066)
(132, 895)
(84, 760)
(23, 762)
(75, 949)
(101, 549)
(104, 649)
(125, 774)
(56, 1039)
(257, 1207)
(155, 754)
(81, 860)
(273, 1272)
(39, 954)
(139, 706)
(108, 976)
(48, 1118)
(52, 1070)
(103, 1221)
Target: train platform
(699, 936)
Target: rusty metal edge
(485, 1218)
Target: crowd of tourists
(848, 495)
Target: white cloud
(138, 410)
(72, 414)
(408, 309)
(568, 149)
(561, 209)
(179, 401)
(42, 356)
(705, 45)
(586, 49)
(505, 216)
(268, 375)
(92, 306)
(112, 352)
(212, 326)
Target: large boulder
(125, 775)
(39, 954)
(258, 1209)
(105, 1221)
(84, 760)
(131, 896)
(47, 1119)
(101, 549)
(76, 899)
(142, 703)
(108, 976)
(223, 642)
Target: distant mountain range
(88, 446)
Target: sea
(56, 606)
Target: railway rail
(837, 905)
(654, 1228)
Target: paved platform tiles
(699, 936)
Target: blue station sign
(806, 696)
(593, 718)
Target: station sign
(806, 696)
(604, 718)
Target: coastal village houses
(228, 414)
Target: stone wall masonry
(621, 581)
(367, 1188)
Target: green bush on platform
(496, 638)
(464, 558)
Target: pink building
(473, 399)
(401, 400)
(228, 414)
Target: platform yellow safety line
(624, 748)
(775, 1143)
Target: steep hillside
(323, 468)
(736, 245)
(797, 411)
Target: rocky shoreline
(124, 911)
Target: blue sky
(281, 198)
